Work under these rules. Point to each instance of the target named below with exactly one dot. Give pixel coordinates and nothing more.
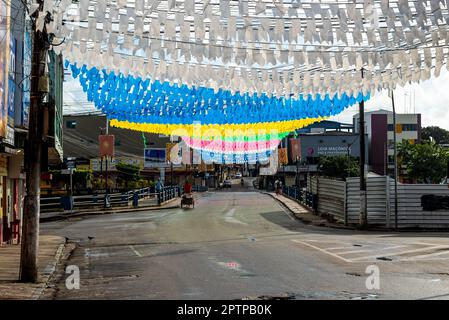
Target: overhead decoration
(273, 47)
(251, 137)
(246, 70)
(235, 158)
(230, 147)
(138, 100)
(198, 131)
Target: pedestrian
(187, 187)
(278, 187)
(159, 185)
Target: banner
(168, 147)
(155, 158)
(26, 83)
(272, 167)
(11, 80)
(295, 150)
(106, 143)
(11, 91)
(282, 156)
(4, 65)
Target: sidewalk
(51, 250)
(144, 205)
(302, 213)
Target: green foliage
(128, 171)
(128, 175)
(426, 162)
(81, 176)
(339, 167)
(440, 135)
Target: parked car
(227, 184)
(238, 175)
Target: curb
(65, 216)
(305, 220)
(356, 228)
(47, 278)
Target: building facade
(380, 130)
(15, 84)
(15, 45)
(309, 144)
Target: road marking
(386, 252)
(322, 250)
(370, 250)
(229, 217)
(430, 255)
(399, 253)
(339, 248)
(135, 251)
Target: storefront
(4, 229)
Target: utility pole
(106, 163)
(395, 164)
(33, 153)
(171, 170)
(363, 205)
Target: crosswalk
(364, 251)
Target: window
(409, 127)
(404, 127)
(71, 124)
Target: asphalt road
(238, 244)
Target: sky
(431, 100)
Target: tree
(339, 167)
(129, 174)
(426, 162)
(440, 135)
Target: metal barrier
(168, 193)
(94, 201)
(304, 197)
(54, 204)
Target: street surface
(238, 243)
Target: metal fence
(132, 197)
(331, 199)
(412, 208)
(419, 205)
(377, 193)
(304, 197)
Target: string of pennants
(249, 71)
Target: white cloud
(431, 100)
